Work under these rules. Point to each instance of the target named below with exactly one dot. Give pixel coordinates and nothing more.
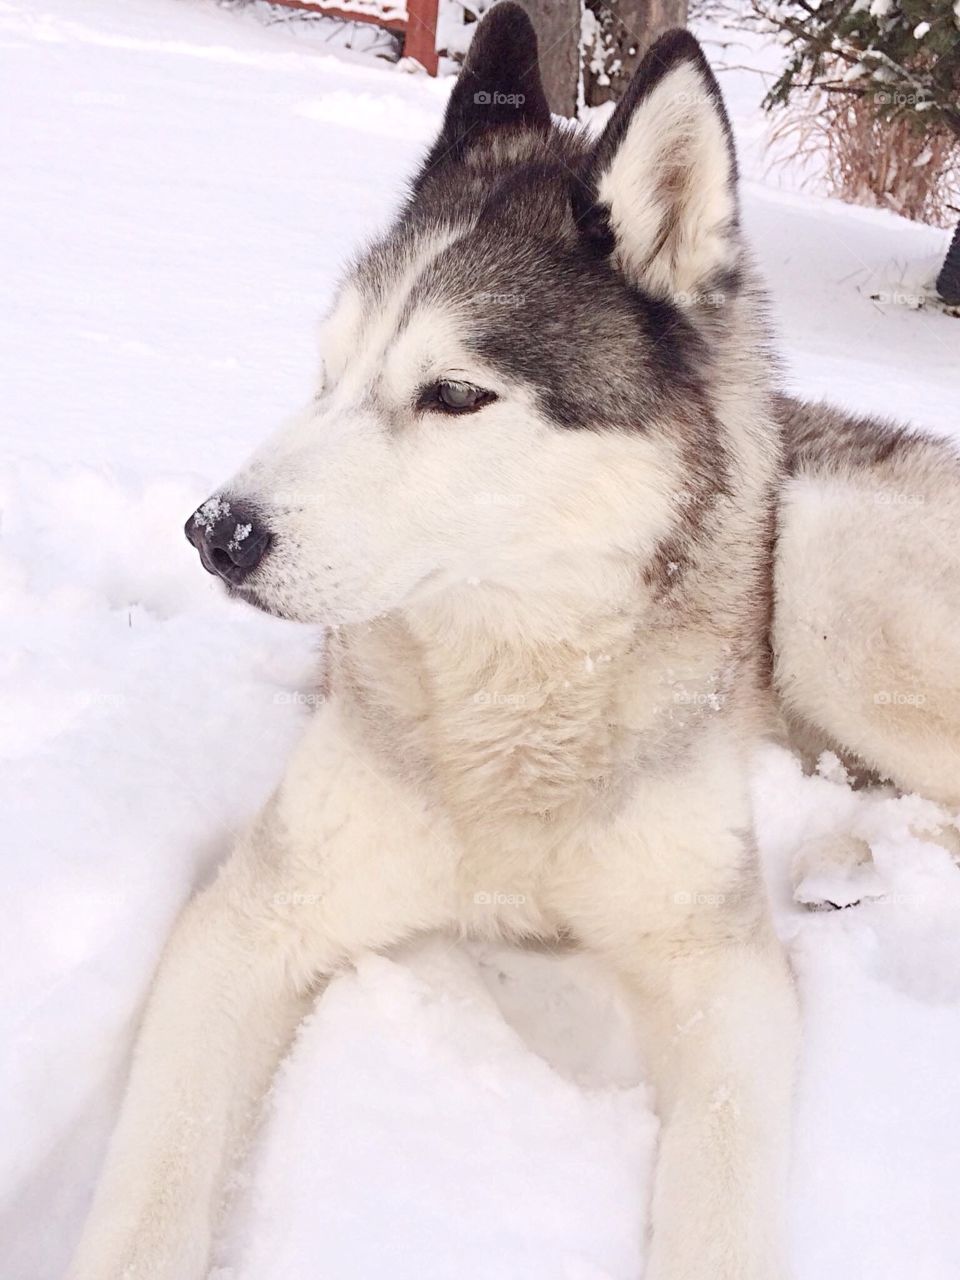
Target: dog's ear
(499, 86)
(660, 189)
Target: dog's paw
(833, 872)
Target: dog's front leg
(224, 1006)
(340, 861)
(721, 1018)
(670, 894)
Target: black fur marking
(765, 591)
(673, 340)
(819, 437)
(533, 197)
(593, 221)
(498, 88)
(567, 302)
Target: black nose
(231, 539)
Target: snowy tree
(899, 57)
(616, 35)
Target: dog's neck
(565, 604)
(479, 643)
(491, 723)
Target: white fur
(346, 858)
(673, 232)
(868, 597)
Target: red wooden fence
(417, 24)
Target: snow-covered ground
(179, 186)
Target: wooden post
(557, 24)
(420, 42)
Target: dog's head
(512, 395)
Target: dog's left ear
(660, 185)
(499, 86)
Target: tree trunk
(557, 24)
(618, 35)
(948, 281)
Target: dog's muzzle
(232, 539)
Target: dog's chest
(530, 739)
(523, 740)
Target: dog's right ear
(659, 192)
(499, 86)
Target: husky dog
(535, 502)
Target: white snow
(241, 533)
(181, 185)
(209, 512)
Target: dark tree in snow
(616, 35)
(557, 24)
(948, 281)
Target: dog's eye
(449, 396)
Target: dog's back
(867, 592)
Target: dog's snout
(231, 539)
